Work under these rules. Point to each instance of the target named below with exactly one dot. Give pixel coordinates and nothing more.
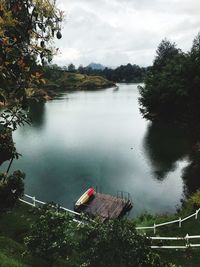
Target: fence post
(154, 228)
(196, 214)
(187, 240)
(34, 201)
(179, 223)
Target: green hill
(75, 81)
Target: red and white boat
(85, 197)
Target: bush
(51, 237)
(115, 243)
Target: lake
(99, 139)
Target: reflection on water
(191, 173)
(165, 145)
(100, 139)
(37, 114)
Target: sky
(115, 32)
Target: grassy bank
(181, 257)
(75, 81)
(13, 228)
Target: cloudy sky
(114, 32)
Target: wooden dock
(106, 206)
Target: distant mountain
(96, 66)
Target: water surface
(99, 138)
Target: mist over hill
(96, 66)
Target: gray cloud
(115, 32)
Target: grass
(75, 81)
(16, 224)
(13, 227)
(184, 257)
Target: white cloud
(67, 54)
(115, 32)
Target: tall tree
(26, 28)
(164, 53)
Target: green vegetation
(53, 239)
(58, 79)
(72, 81)
(47, 236)
(11, 189)
(89, 244)
(6, 144)
(88, 78)
(26, 27)
(116, 243)
(22, 27)
(52, 236)
(13, 228)
(184, 257)
(172, 85)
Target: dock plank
(105, 206)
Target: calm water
(99, 138)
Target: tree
(164, 53)
(166, 87)
(26, 27)
(115, 243)
(71, 68)
(195, 51)
(172, 86)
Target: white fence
(34, 203)
(179, 221)
(186, 239)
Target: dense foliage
(172, 85)
(114, 243)
(7, 148)
(51, 237)
(26, 27)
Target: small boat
(85, 198)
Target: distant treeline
(124, 73)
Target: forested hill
(60, 79)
